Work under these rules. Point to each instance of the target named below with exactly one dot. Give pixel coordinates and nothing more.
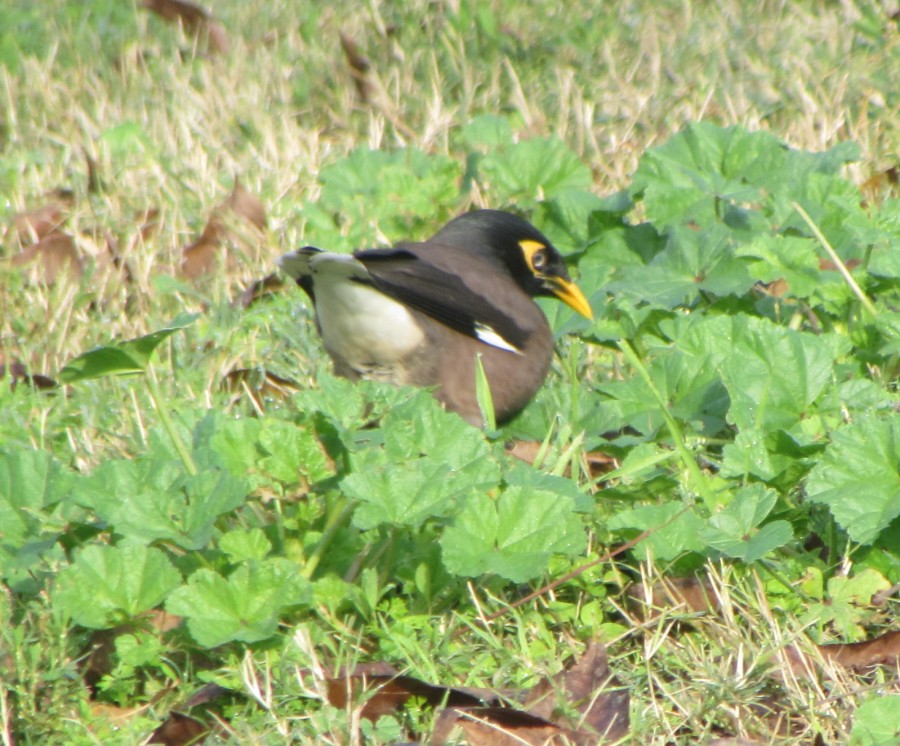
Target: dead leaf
(33, 225)
(115, 716)
(693, 593)
(597, 462)
(828, 265)
(359, 67)
(881, 598)
(246, 204)
(95, 183)
(200, 257)
(259, 289)
(883, 650)
(388, 690)
(194, 19)
(876, 187)
(599, 698)
(50, 258)
(148, 222)
(179, 730)
(775, 289)
(18, 373)
(497, 726)
(206, 694)
(260, 384)
(524, 450)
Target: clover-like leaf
(674, 529)
(107, 585)
(737, 530)
(858, 477)
(245, 606)
(513, 536)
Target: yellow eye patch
(530, 249)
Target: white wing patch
(490, 337)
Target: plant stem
(339, 511)
(168, 425)
(839, 263)
(699, 480)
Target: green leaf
(292, 452)
(244, 607)
(794, 259)
(737, 530)
(245, 545)
(400, 192)
(106, 585)
(513, 536)
(848, 604)
(124, 139)
(148, 499)
(487, 131)
(705, 171)
(876, 721)
(429, 459)
(229, 440)
(536, 169)
(772, 374)
(122, 358)
(31, 481)
(858, 477)
(693, 262)
(669, 539)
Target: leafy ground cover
(203, 534)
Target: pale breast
(360, 326)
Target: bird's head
(510, 241)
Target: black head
(505, 239)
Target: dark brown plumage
(421, 313)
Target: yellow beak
(570, 294)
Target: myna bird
(422, 313)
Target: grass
(170, 128)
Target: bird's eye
(539, 260)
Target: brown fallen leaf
(18, 373)
(693, 593)
(597, 462)
(828, 265)
(882, 597)
(876, 187)
(259, 383)
(883, 650)
(259, 289)
(50, 258)
(94, 182)
(115, 716)
(388, 690)
(199, 258)
(33, 225)
(776, 289)
(194, 19)
(590, 689)
(359, 67)
(179, 729)
(245, 203)
(497, 726)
